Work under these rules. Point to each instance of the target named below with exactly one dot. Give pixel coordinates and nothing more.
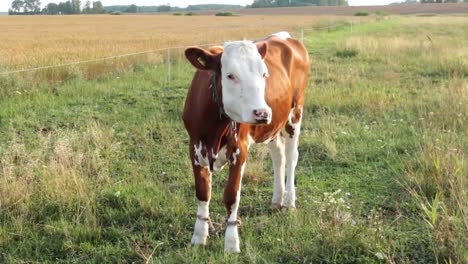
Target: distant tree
(281, 3)
(323, 2)
(32, 6)
(442, 1)
(262, 3)
(37, 6)
(87, 8)
(164, 8)
(98, 8)
(76, 6)
(51, 9)
(62, 6)
(17, 5)
(68, 8)
(27, 6)
(132, 9)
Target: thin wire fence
(171, 52)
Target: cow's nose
(262, 116)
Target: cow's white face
(243, 74)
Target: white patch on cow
(200, 231)
(234, 156)
(243, 73)
(283, 35)
(231, 238)
(277, 153)
(200, 160)
(251, 141)
(292, 156)
(221, 159)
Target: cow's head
(243, 74)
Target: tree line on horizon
(286, 3)
(70, 7)
(33, 7)
(442, 1)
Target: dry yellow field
(33, 41)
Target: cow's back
(288, 65)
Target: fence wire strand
(142, 52)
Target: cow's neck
(223, 126)
(216, 93)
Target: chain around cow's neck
(214, 92)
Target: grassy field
(98, 170)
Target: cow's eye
(264, 75)
(231, 77)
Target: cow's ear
(202, 59)
(262, 49)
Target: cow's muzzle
(262, 116)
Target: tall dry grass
(65, 168)
(429, 59)
(437, 179)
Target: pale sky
(5, 4)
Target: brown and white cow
(243, 93)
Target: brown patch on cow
(296, 115)
(234, 181)
(202, 183)
(235, 177)
(290, 130)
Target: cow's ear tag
(202, 61)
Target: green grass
(98, 171)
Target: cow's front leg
(278, 157)
(293, 129)
(202, 175)
(232, 199)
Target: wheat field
(38, 41)
(35, 41)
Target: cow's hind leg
(277, 153)
(202, 175)
(232, 200)
(293, 129)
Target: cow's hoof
(288, 209)
(198, 241)
(276, 206)
(231, 242)
(232, 250)
(289, 202)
